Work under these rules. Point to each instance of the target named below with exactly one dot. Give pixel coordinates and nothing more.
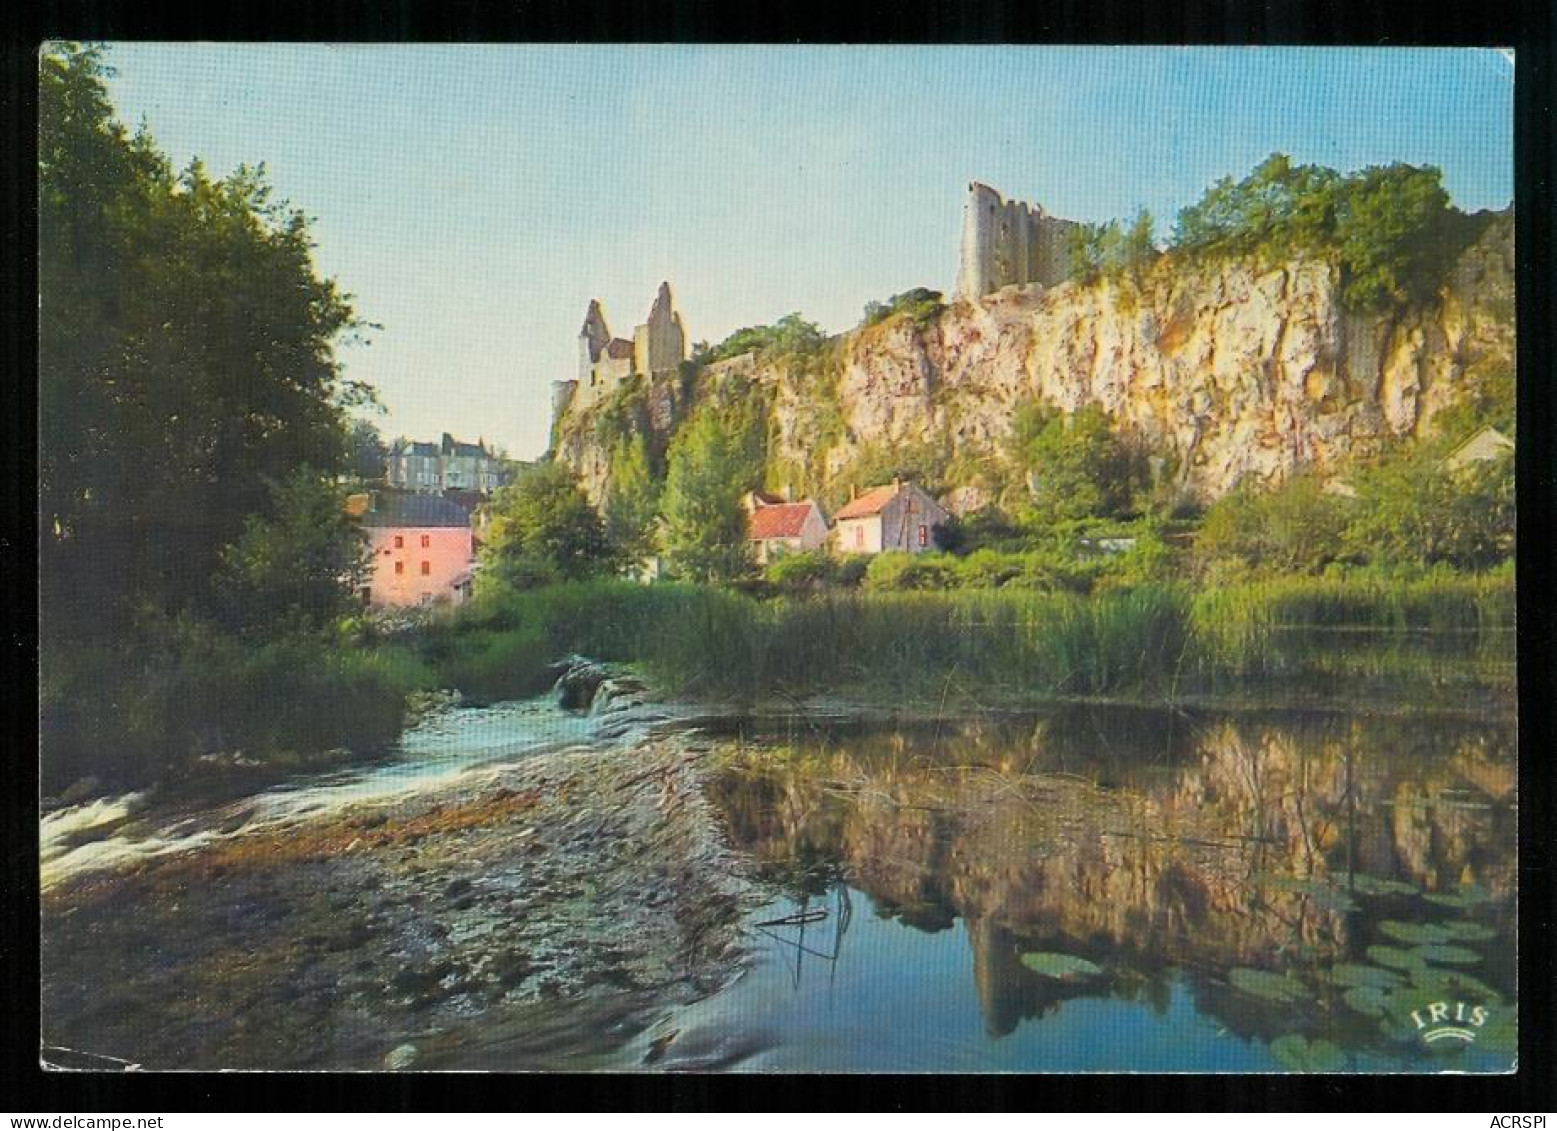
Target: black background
(1528, 27)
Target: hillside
(1222, 370)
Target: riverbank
(529, 915)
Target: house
(781, 528)
(897, 516)
(1487, 444)
(450, 465)
(422, 548)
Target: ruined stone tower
(592, 339)
(660, 343)
(1009, 241)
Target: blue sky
(475, 198)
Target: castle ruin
(605, 363)
(1006, 242)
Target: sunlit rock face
(1227, 372)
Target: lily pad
(1368, 1000)
(1325, 894)
(1265, 985)
(1414, 933)
(1435, 980)
(1062, 966)
(1462, 931)
(1394, 957)
(1373, 977)
(1302, 1055)
(1378, 885)
(1460, 898)
(1445, 954)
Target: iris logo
(1449, 1021)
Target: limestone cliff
(1225, 371)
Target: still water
(1109, 889)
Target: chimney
(854, 491)
(897, 483)
(789, 492)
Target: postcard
(768, 559)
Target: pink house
(422, 548)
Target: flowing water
(1077, 889)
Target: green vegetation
(921, 306)
(994, 647)
(791, 334)
(715, 458)
(1075, 464)
(1111, 250)
(194, 562)
(544, 530)
(632, 499)
(1390, 229)
(1407, 511)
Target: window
(924, 536)
(399, 567)
(399, 541)
(859, 537)
(426, 540)
(426, 568)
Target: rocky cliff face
(1225, 371)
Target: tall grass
(130, 713)
(1150, 641)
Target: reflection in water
(1275, 867)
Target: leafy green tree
(710, 467)
(300, 566)
(543, 529)
(632, 498)
(369, 453)
(1391, 224)
(1390, 228)
(1111, 249)
(1414, 510)
(1296, 528)
(791, 334)
(920, 306)
(1076, 466)
(186, 359)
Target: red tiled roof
(781, 520)
(619, 348)
(870, 502)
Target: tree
(1076, 467)
(369, 454)
(1391, 224)
(920, 306)
(297, 568)
(1110, 250)
(1297, 528)
(186, 359)
(1414, 510)
(543, 529)
(1390, 228)
(632, 498)
(705, 524)
(791, 334)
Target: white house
(898, 516)
(786, 528)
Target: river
(1081, 888)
